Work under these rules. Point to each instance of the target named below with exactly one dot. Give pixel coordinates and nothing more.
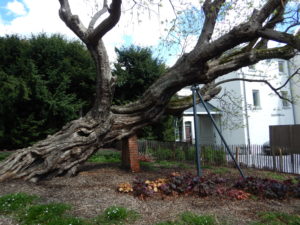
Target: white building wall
(295, 87)
(238, 134)
(270, 112)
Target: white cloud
(16, 7)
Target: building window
(285, 103)
(188, 132)
(281, 66)
(256, 99)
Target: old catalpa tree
(215, 53)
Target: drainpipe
(246, 111)
(291, 90)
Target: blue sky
(26, 17)
(11, 9)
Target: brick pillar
(130, 154)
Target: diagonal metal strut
(196, 88)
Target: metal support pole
(219, 132)
(197, 131)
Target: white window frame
(256, 99)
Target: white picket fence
(283, 163)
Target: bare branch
(275, 90)
(289, 78)
(98, 15)
(211, 11)
(282, 37)
(267, 9)
(107, 24)
(72, 21)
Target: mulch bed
(94, 189)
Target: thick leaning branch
(177, 106)
(227, 64)
(282, 37)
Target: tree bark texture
(62, 152)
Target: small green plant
(116, 215)
(188, 218)
(4, 155)
(106, 156)
(169, 223)
(13, 202)
(43, 214)
(277, 218)
(192, 219)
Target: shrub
(190, 154)
(179, 154)
(162, 154)
(214, 156)
(263, 187)
(140, 188)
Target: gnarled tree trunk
(62, 152)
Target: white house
(246, 109)
(295, 87)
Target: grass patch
(43, 214)
(188, 218)
(14, 202)
(277, 218)
(172, 164)
(106, 156)
(116, 215)
(149, 166)
(154, 166)
(220, 170)
(275, 176)
(26, 211)
(4, 155)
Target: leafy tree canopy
(136, 69)
(45, 82)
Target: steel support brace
(196, 89)
(197, 131)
